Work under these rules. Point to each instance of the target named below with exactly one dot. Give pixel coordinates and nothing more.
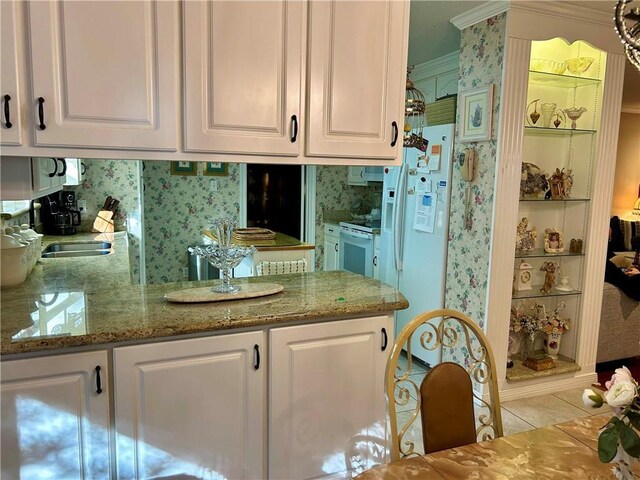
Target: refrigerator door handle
(398, 214)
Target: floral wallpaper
(119, 179)
(481, 61)
(333, 193)
(176, 209)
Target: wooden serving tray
(204, 294)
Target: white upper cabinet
(10, 133)
(243, 76)
(356, 79)
(104, 74)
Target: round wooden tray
(204, 294)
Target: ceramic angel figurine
(525, 238)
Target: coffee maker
(60, 214)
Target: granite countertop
(55, 314)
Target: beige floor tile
(513, 424)
(416, 367)
(544, 410)
(574, 397)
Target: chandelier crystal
(627, 24)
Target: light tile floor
(517, 415)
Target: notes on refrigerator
(424, 220)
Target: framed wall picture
(476, 114)
(184, 168)
(216, 169)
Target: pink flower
(621, 375)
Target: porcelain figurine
(549, 269)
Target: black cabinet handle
(42, 126)
(7, 113)
(83, 168)
(64, 167)
(336, 247)
(394, 126)
(294, 128)
(55, 168)
(375, 260)
(256, 357)
(98, 381)
(385, 339)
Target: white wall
(627, 179)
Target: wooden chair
(281, 267)
(450, 393)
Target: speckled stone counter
(111, 312)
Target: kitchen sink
(84, 249)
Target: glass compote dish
(223, 254)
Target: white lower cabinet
(204, 407)
(55, 424)
(331, 259)
(191, 408)
(327, 406)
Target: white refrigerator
(415, 228)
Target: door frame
(307, 201)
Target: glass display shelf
(540, 253)
(557, 131)
(520, 373)
(536, 293)
(545, 79)
(557, 200)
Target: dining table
(564, 451)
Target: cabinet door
(107, 73)
(357, 55)
(327, 397)
(355, 176)
(330, 254)
(243, 66)
(10, 134)
(44, 171)
(191, 406)
(55, 424)
(447, 84)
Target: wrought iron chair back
(448, 330)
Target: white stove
(367, 226)
(356, 246)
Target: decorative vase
(527, 346)
(552, 344)
(622, 464)
(548, 112)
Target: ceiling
(432, 35)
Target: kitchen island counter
(135, 313)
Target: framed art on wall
(184, 168)
(476, 114)
(216, 168)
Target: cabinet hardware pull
(42, 126)
(7, 114)
(336, 247)
(375, 260)
(256, 356)
(55, 168)
(385, 339)
(294, 128)
(394, 126)
(64, 167)
(98, 381)
(83, 168)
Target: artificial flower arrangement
(526, 319)
(553, 323)
(618, 442)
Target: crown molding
(480, 13)
(571, 10)
(436, 66)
